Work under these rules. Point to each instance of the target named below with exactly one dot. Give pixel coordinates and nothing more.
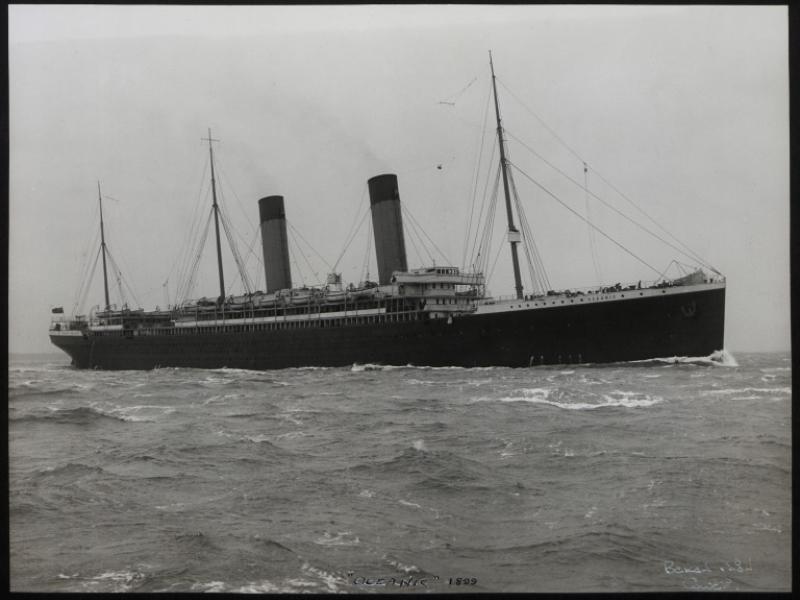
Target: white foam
(210, 586)
(728, 391)
(617, 398)
(420, 445)
(366, 494)
(720, 358)
(122, 581)
(407, 503)
(359, 368)
(400, 566)
(331, 581)
(342, 538)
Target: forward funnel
(387, 223)
(275, 243)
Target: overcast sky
(683, 109)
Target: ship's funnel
(275, 243)
(387, 222)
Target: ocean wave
(393, 562)
(312, 580)
(746, 390)
(430, 469)
(108, 581)
(720, 358)
(81, 415)
(359, 368)
(617, 398)
(195, 542)
(70, 471)
(341, 538)
(32, 389)
(141, 413)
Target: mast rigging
(513, 233)
(103, 246)
(216, 215)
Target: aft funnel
(387, 223)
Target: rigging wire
(192, 244)
(350, 241)
(691, 253)
(182, 259)
(592, 242)
(694, 254)
(227, 226)
(411, 216)
(300, 250)
(365, 269)
(458, 94)
(120, 279)
(476, 174)
(603, 233)
(483, 249)
(85, 280)
(412, 230)
(81, 300)
(539, 280)
(474, 247)
(296, 266)
(360, 222)
(188, 284)
(300, 235)
(239, 203)
(124, 263)
(616, 210)
(420, 260)
(494, 264)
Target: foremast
(513, 233)
(103, 247)
(215, 207)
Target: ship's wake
(719, 358)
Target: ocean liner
(431, 316)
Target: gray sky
(684, 109)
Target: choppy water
(634, 477)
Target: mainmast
(513, 232)
(216, 216)
(103, 246)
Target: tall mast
(103, 246)
(513, 232)
(216, 215)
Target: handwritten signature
(736, 566)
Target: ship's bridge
(441, 290)
(450, 275)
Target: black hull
(676, 324)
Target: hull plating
(686, 324)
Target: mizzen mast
(209, 139)
(514, 237)
(103, 246)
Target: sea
(666, 475)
